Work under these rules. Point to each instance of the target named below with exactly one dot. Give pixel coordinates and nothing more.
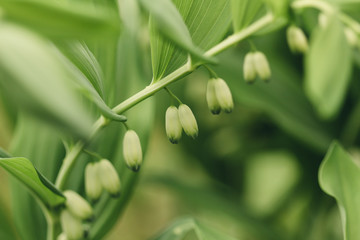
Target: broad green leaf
(244, 12)
(166, 20)
(328, 68)
(3, 153)
(63, 18)
(39, 82)
(189, 228)
(295, 115)
(207, 22)
(24, 171)
(339, 176)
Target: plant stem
(327, 8)
(150, 90)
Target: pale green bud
(132, 150)
(249, 68)
(188, 121)
(211, 99)
(93, 187)
(223, 95)
(109, 177)
(351, 37)
(62, 236)
(77, 205)
(262, 66)
(297, 40)
(71, 225)
(322, 20)
(172, 124)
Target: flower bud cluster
(177, 119)
(297, 40)
(256, 64)
(77, 210)
(101, 175)
(218, 96)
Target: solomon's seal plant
(74, 76)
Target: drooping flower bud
(351, 37)
(223, 95)
(132, 150)
(62, 236)
(249, 68)
(211, 99)
(93, 187)
(297, 40)
(109, 177)
(172, 124)
(188, 121)
(71, 225)
(77, 205)
(322, 20)
(262, 66)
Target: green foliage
(339, 176)
(63, 19)
(24, 171)
(244, 12)
(188, 228)
(327, 79)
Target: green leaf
(207, 23)
(328, 68)
(39, 82)
(189, 228)
(166, 19)
(24, 171)
(84, 59)
(43, 146)
(244, 12)
(339, 176)
(279, 7)
(63, 18)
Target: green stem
(150, 90)
(52, 222)
(172, 95)
(327, 8)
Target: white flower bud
(188, 121)
(93, 187)
(351, 37)
(262, 66)
(322, 20)
(132, 150)
(62, 236)
(297, 40)
(211, 99)
(77, 205)
(109, 177)
(71, 226)
(223, 95)
(172, 124)
(249, 68)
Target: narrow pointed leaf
(328, 67)
(339, 176)
(207, 22)
(63, 18)
(24, 171)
